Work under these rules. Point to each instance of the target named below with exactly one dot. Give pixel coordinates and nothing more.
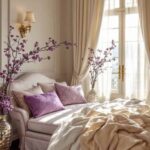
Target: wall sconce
(25, 26)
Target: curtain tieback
(77, 79)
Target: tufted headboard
(27, 81)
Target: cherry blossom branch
(17, 55)
(97, 60)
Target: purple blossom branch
(17, 56)
(97, 60)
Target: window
(121, 24)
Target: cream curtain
(144, 15)
(87, 18)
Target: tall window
(129, 72)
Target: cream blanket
(119, 125)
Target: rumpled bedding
(117, 125)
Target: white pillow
(49, 87)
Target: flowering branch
(97, 61)
(17, 56)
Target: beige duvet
(119, 125)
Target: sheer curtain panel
(144, 15)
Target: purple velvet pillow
(69, 95)
(43, 103)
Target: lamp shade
(30, 17)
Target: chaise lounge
(35, 133)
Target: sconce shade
(30, 18)
(26, 25)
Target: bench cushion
(48, 123)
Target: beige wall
(53, 18)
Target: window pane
(131, 3)
(111, 4)
(109, 32)
(115, 65)
(132, 20)
(114, 81)
(132, 34)
(132, 30)
(110, 22)
(115, 52)
(132, 45)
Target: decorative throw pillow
(69, 95)
(49, 87)
(19, 96)
(43, 103)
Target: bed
(118, 125)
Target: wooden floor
(14, 145)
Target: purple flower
(15, 40)
(7, 55)
(50, 49)
(24, 41)
(26, 56)
(5, 103)
(36, 44)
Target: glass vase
(92, 96)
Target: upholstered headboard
(27, 81)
